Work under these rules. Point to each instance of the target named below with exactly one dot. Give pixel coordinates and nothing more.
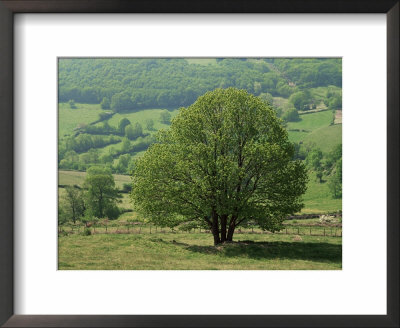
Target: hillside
(111, 109)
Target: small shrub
(87, 232)
(71, 104)
(126, 187)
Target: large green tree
(101, 193)
(226, 160)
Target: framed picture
(53, 276)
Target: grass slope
(318, 198)
(325, 138)
(195, 251)
(77, 178)
(311, 122)
(68, 118)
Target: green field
(325, 138)
(311, 122)
(185, 251)
(69, 119)
(318, 198)
(316, 131)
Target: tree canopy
(137, 83)
(101, 193)
(225, 161)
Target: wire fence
(327, 230)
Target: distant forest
(126, 84)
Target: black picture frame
(10, 7)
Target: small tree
(165, 117)
(126, 145)
(314, 158)
(133, 131)
(75, 206)
(291, 115)
(123, 123)
(335, 181)
(150, 124)
(137, 130)
(71, 104)
(267, 98)
(319, 173)
(101, 193)
(105, 103)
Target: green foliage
(225, 160)
(335, 102)
(127, 187)
(291, 115)
(126, 145)
(105, 103)
(62, 215)
(301, 100)
(333, 98)
(165, 117)
(86, 232)
(123, 163)
(334, 165)
(104, 115)
(314, 158)
(134, 83)
(267, 98)
(71, 104)
(133, 132)
(311, 72)
(101, 193)
(121, 101)
(150, 124)
(122, 124)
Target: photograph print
(199, 163)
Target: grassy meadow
(185, 251)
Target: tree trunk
(215, 228)
(224, 218)
(231, 229)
